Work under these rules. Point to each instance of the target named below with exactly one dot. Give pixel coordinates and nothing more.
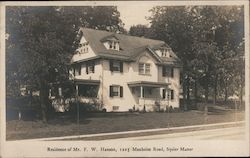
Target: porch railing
(153, 101)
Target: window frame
(118, 93)
(172, 94)
(77, 70)
(115, 108)
(118, 64)
(168, 71)
(84, 48)
(90, 67)
(114, 45)
(146, 70)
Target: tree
(207, 39)
(41, 42)
(174, 25)
(140, 31)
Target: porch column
(78, 109)
(77, 89)
(141, 96)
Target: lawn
(92, 123)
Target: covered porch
(150, 96)
(87, 90)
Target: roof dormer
(111, 43)
(83, 46)
(164, 52)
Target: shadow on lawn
(85, 117)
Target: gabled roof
(131, 46)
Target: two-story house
(126, 72)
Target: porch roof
(86, 81)
(147, 84)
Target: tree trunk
(241, 88)
(44, 93)
(226, 95)
(195, 93)
(206, 99)
(188, 92)
(215, 90)
(184, 94)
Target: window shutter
(110, 91)
(121, 91)
(172, 72)
(87, 71)
(80, 69)
(121, 66)
(111, 65)
(74, 71)
(163, 71)
(163, 93)
(143, 92)
(172, 94)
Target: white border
(38, 149)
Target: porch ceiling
(86, 82)
(147, 84)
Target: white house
(126, 72)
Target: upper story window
(77, 70)
(114, 45)
(111, 42)
(90, 67)
(167, 71)
(144, 68)
(116, 66)
(165, 53)
(84, 48)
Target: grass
(92, 123)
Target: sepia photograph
(125, 79)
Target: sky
(134, 14)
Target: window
(114, 45)
(141, 68)
(77, 70)
(110, 45)
(163, 93)
(167, 71)
(84, 48)
(116, 90)
(165, 52)
(115, 108)
(116, 66)
(90, 67)
(144, 68)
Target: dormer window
(111, 42)
(84, 48)
(114, 45)
(165, 52)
